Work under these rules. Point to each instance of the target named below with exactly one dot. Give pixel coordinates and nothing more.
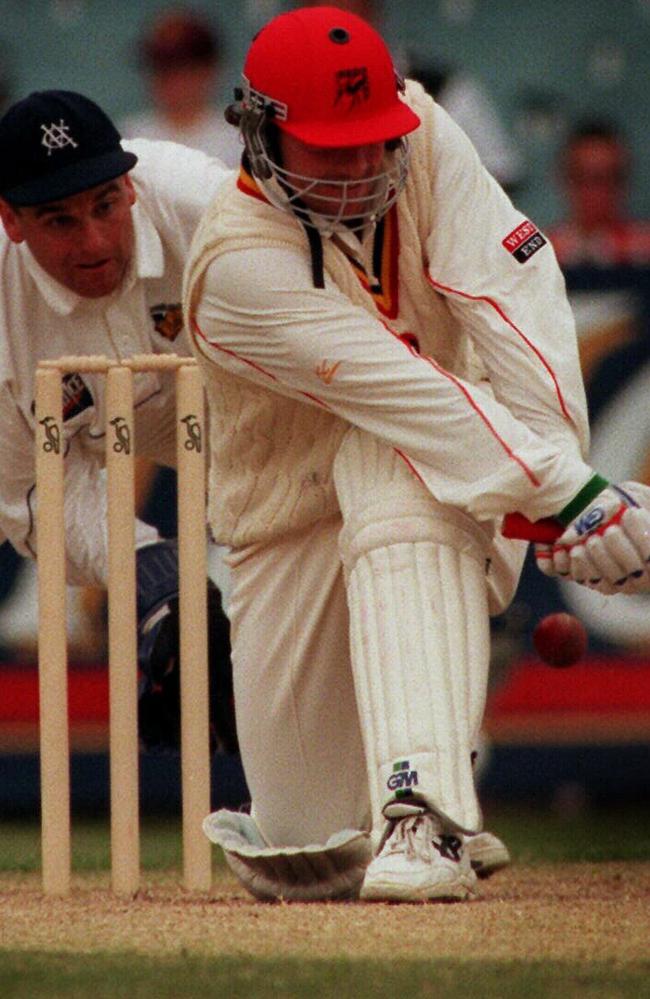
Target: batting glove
(601, 539)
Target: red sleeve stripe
(407, 461)
(231, 353)
(252, 364)
(506, 319)
(528, 472)
(320, 402)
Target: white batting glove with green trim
(605, 544)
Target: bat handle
(515, 525)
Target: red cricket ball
(560, 639)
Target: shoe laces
(420, 836)
(411, 836)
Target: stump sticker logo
(122, 441)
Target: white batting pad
(419, 633)
(313, 873)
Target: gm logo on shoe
(402, 779)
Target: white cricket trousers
(296, 711)
(297, 718)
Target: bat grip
(546, 530)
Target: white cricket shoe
(487, 853)
(418, 862)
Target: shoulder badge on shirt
(523, 241)
(167, 319)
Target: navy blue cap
(56, 143)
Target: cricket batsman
(391, 367)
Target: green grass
(160, 845)
(533, 836)
(594, 835)
(108, 976)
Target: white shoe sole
(487, 854)
(394, 891)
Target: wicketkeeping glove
(159, 655)
(601, 539)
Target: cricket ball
(560, 639)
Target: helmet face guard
(331, 202)
(326, 78)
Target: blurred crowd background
(556, 97)
(540, 66)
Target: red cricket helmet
(329, 79)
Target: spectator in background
(595, 173)
(471, 107)
(367, 9)
(180, 54)
(460, 94)
(604, 253)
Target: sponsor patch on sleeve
(524, 241)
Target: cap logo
(57, 136)
(352, 86)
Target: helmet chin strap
(316, 253)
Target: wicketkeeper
(391, 367)
(95, 236)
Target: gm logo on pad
(402, 779)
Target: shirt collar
(149, 256)
(148, 262)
